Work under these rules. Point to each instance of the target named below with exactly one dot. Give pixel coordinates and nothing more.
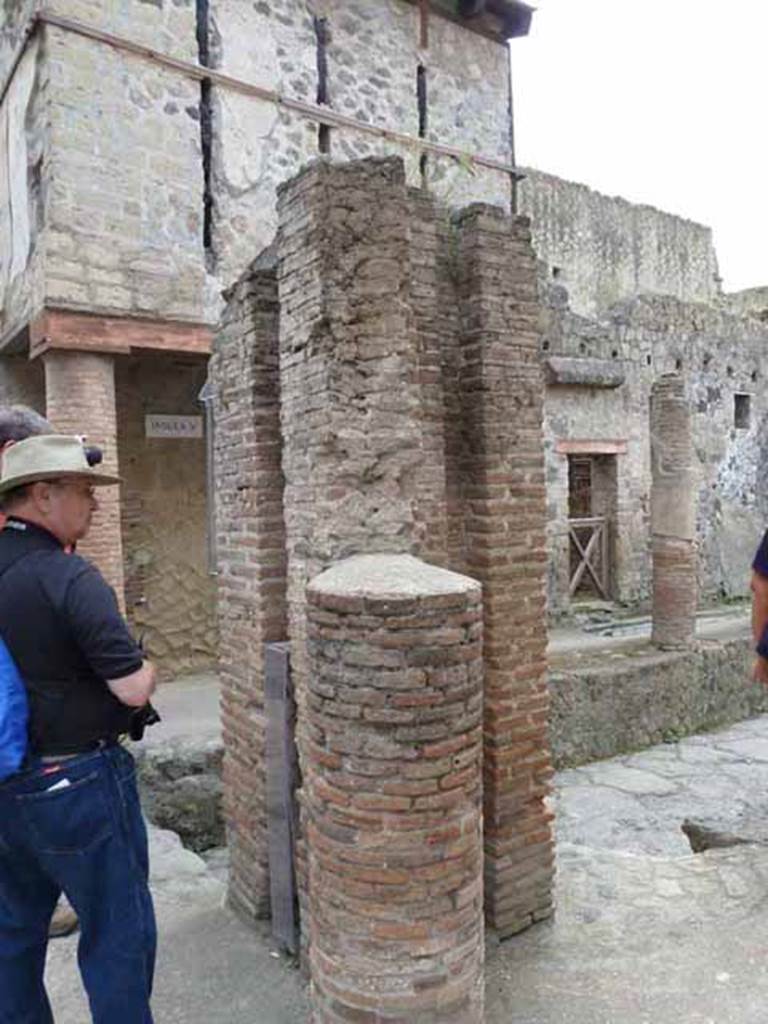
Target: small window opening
(615, 354)
(582, 347)
(678, 364)
(556, 272)
(545, 346)
(729, 371)
(753, 376)
(647, 360)
(741, 411)
(706, 361)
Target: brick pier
(409, 391)
(673, 515)
(80, 399)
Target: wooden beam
(88, 332)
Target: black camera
(141, 719)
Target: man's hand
(135, 689)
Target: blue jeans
(85, 836)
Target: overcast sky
(660, 101)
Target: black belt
(52, 754)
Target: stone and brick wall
(618, 358)
(135, 242)
(602, 706)
(606, 249)
(124, 214)
(371, 57)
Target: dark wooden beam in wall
(88, 332)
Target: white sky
(660, 101)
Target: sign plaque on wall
(173, 426)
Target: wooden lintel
(88, 332)
(591, 447)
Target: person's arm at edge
(136, 688)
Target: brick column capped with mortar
(350, 395)
(392, 793)
(673, 515)
(505, 535)
(80, 399)
(250, 563)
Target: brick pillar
(505, 510)
(250, 562)
(80, 399)
(425, 252)
(673, 515)
(348, 380)
(348, 373)
(392, 793)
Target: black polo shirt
(60, 621)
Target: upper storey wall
(605, 249)
(366, 54)
(124, 222)
(110, 150)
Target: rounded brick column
(673, 515)
(80, 399)
(392, 756)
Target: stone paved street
(645, 931)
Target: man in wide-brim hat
(17, 423)
(70, 820)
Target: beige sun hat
(48, 457)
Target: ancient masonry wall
(362, 59)
(130, 241)
(75, 234)
(251, 563)
(605, 249)
(169, 589)
(367, 370)
(604, 400)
